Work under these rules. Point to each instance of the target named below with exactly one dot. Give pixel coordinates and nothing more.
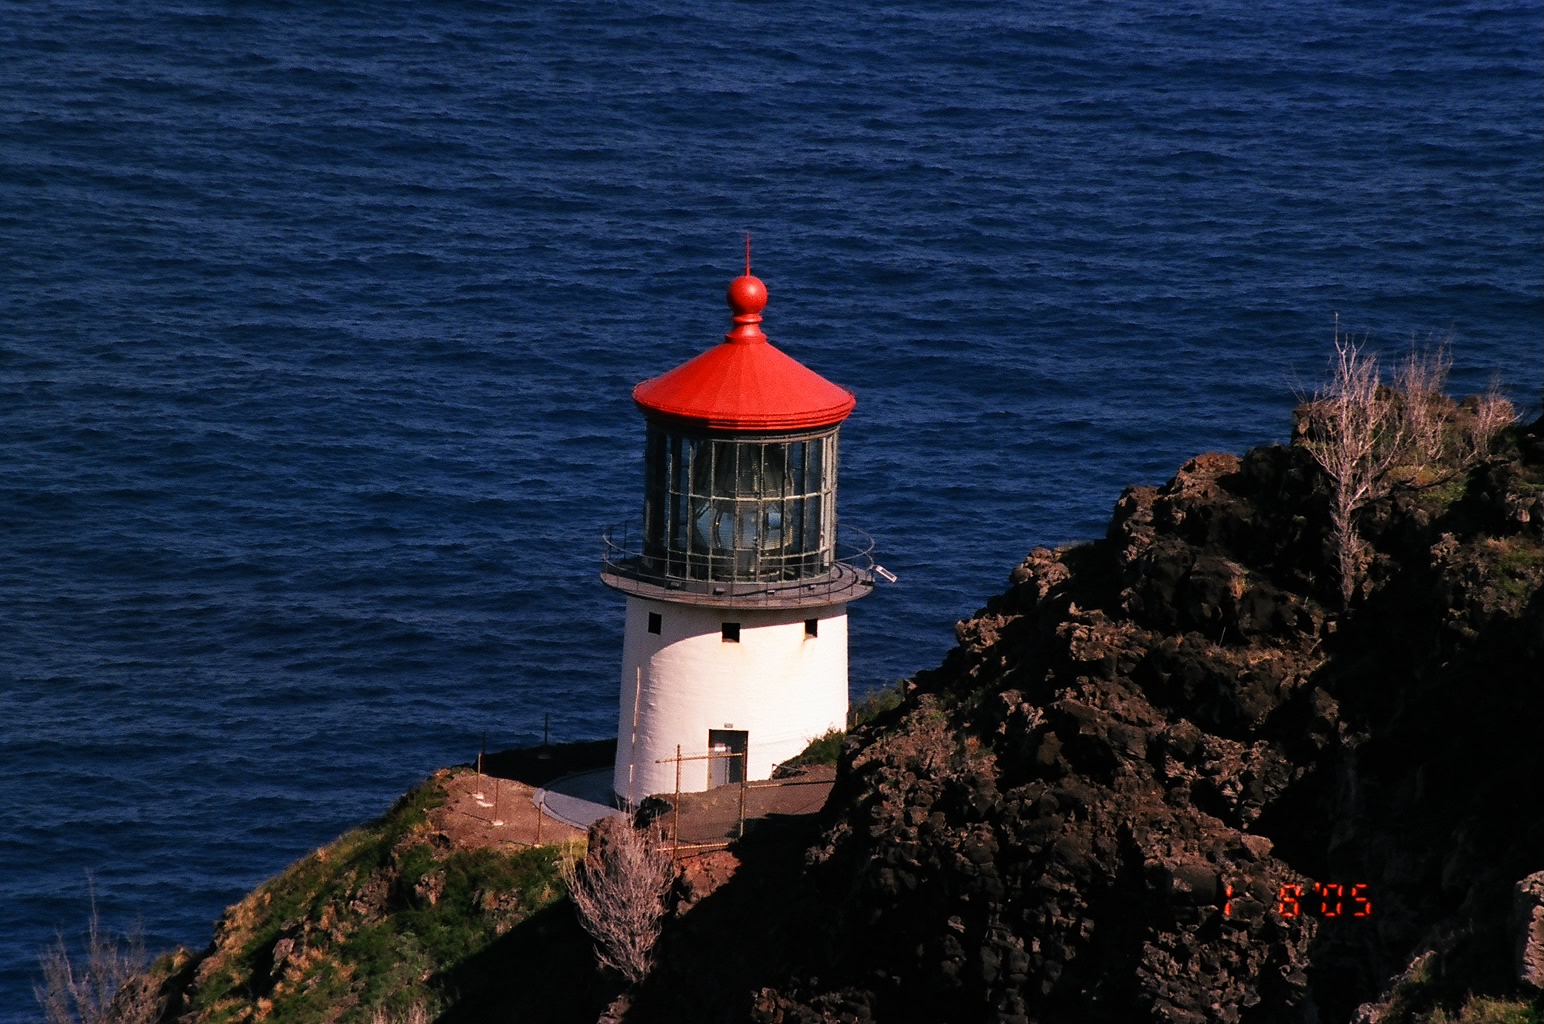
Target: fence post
(479, 794)
(675, 827)
(743, 784)
(541, 810)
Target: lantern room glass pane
(654, 493)
(739, 510)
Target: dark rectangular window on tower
(811, 628)
(731, 632)
(656, 622)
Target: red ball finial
(747, 296)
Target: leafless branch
(619, 891)
(1360, 432)
(1420, 380)
(1356, 434)
(105, 987)
(1493, 413)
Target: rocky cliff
(1173, 776)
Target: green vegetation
(1518, 566)
(1370, 438)
(1483, 1010)
(1415, 998)
(827, 749)
(369, 924)
(1445, 493)
(876, 703)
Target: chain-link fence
(713, 819)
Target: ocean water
(320, 322)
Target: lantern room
(741, 509)
(740, 471)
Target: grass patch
(389, 969)
(484, 892)
(827, 749)
(1415, 998)
(1518, 565)
(318, 1000)
(1410, 991)
(1517, 557)
(874, 704)
(464, 919)
(302, 892)
(1485, 1010)
(1442, 495)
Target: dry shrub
(1356, 434)
(1420, 380)
(415, 1014)
(1493, 413)
(106, 986)
(1360, 432)
(619, 890)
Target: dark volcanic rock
(1090, 812)
(1528, 927)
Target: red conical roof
(745, 383)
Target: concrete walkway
(580, 799)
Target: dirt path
(475, 803)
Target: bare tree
(1359, 432)
(106, 987)
(1493, 413)
(1420, 381)
(619, 890)
(1356, 433)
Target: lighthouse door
(726, 765)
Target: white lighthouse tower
(736, 635)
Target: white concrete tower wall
(779, 684)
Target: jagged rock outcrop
(1528, 925)
(1093, 809)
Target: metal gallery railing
(626, 566)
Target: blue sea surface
(320, 322)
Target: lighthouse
(734, 654)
